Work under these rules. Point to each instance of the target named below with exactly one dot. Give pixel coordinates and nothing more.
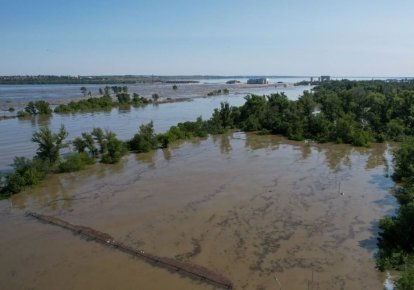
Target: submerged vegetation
(396, 237)
(98, 145)
(35, 108)
(120, 98)
(353, 112)
(218, 92)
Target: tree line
(396, 236)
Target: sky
(214, 37)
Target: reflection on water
(251, 207)
(224, 143)
(147, 158)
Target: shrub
(155, 97)
(404, 161)
(23, 114)
(145, 140)
(15, 183)
(27, 172)
(196, 129)
(360, 138)
(39, 107)
(406, 281)
(123, 98)
(115, 149)
(75, 162)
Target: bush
(90, 104)
(15, 183)
(27, 172)
(404, 161)
(75, 162)
(39, 107)
(115, 149)
(360, 138)
(196, 129)
(164, 140)
(123, 98)
(395, 129)
(23, 114)
(155, 97)
(145, 140)
(406, 281)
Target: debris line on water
(192, 271)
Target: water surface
(258, 209)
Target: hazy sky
(223, 37)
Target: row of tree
(396, 237)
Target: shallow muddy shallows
(265, 212)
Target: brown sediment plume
(185, 269)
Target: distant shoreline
(146, 79)
(121, 79)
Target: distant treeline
(42, 79)
(111, 79)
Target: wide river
(265, 212)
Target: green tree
(404, 161)
(406, 281)
(49, 144)
(90, 144)
(84, 91)
(43, 108)
(99, 137)
(79, 144)
(145, 140)
(155, 97)
(75, 162)
(115, 149)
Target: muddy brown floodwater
(263, 211)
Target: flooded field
(17, 133)
(18, 96)
(263, 211)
